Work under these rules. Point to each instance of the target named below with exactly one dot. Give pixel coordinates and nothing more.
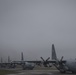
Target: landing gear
(73, 72)
(62, 71)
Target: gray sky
(32, 26)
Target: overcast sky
(32, 26)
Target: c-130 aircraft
(12, 64)
(25, 64)
(63, 65)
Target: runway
(40, 72)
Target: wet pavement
(41, 72)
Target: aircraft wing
(55, 61)
(51, 61)
(4, 63)
(34, 61)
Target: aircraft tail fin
(54, 57)
(8, 59)
(22, 58)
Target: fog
(32, 26)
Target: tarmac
(40, 72)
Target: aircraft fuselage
(71, 65)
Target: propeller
(45, 62)
(60, 62)
(62, 65)
(42, 59)
(47, 58)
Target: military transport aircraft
(25, 64)
(12, 64)
(8, 64)
(63, 65)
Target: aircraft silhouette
(63, 65)
(12, 64)
(25, 64)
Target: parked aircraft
(45, 62)
(63, 65)
(25, 64)
(12, 64)
(8, 64)
(32, 63)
